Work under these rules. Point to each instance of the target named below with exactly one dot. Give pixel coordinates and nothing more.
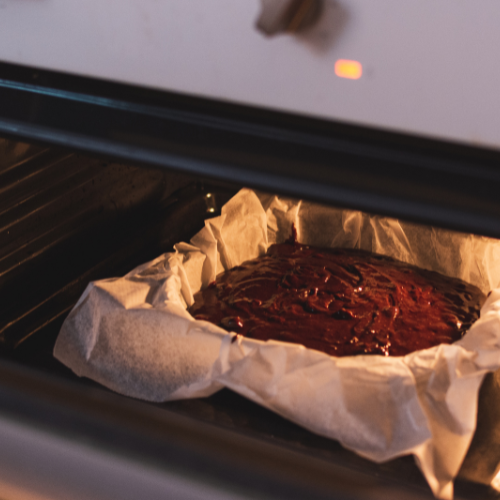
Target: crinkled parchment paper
(134, 335)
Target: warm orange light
(348, 69)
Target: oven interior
(68, 219)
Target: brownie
(339, 301)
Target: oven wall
(67, 219)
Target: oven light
(348, 69)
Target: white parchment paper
(134, 335)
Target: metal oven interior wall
(67, 219)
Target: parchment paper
(134, 335)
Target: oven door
(424, 68)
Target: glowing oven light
(348, 69)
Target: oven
(109, 147)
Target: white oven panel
(429, 67)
